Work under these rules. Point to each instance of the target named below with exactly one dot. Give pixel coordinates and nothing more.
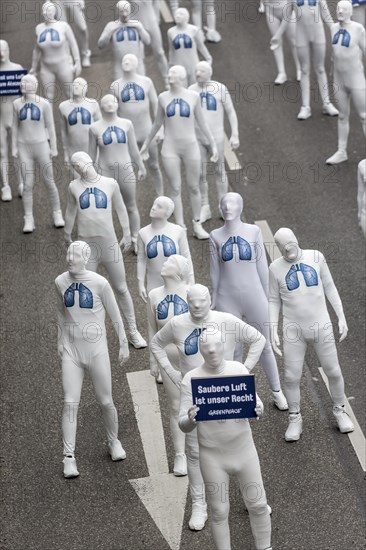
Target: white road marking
(230, 156)
(165, 12)
(163, 495)
(356, 437)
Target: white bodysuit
(76, 118)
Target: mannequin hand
(15, 152)
(234, 142)
(141, 173)
(274, 43)
(143, 293)
(60, 350)
(343, 328)
(125, 243)
(275, 344)
(77, 69)
(154, 370)
(160, 135)
(215, 154)
(123, 354)
(32, 71)
(135, 24)
(53, 153)
(192, 413)
(259, 410)
(144, 152)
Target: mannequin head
(162, 208)
(28, 84)
(83, 165)
(77, 257)
(203, 71)
(231, 205)
(344, 10)
(79, 87)
(109, 104)
(4, 51)
(49, 11)
(199, 302)
(129, 62)
(124, 10)
(176, 267)
(288, 245)
(212, 349)
(181, 15)
(177, 75)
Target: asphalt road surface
(316, 486)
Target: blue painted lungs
(131, 34)
(169, 247)
(85, 296)
(209, 101)
(184, 109)
(34, 110)
(245, 251)
(138, 92)
(187, 41)
(120, 134)
(85, 116)
(191, 342)
(308, 272)
(180, 306)
(99, 196)
(346, 38)
(54, 36)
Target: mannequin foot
(6, 194)
(70, 469)
(198, 230)
(29, 226)
(20, 190)
(304, 113)
(261, 7)
(280, 400)
(212, 35)
(338, 157)
(85, 58)
(58, 220)
(298, 75)
(344, 422)
(198, 517)
(329, 109)
(159, 379)
(116, 450)
(294, 429)
(180, 465)
(280, 79)
(137, 340)
(205, 213)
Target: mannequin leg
(197, 13)
(45, 163)
(173, 396)
(127, 185)
(154, 168)
(304, 59)
(344, 102)
(4, 157)
(117, 276)
(294, 349)
(291, 36)
(361, 194)
(196, 484)
(192, 164)
(158, 50)
(72, 381)
(80, 23)
(222, 182)
(48, 83)
(27, 166)
(100, 371)
(65, 75)
(328, 358)
(273, 25)
(203, 175)
(172, 167)
(319, 68)
(359, 101)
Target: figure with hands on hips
(83, 298)
(76, 116)
(74, 11)
(311, 40)
(185, 41)
(56, 55)
(91, 201)
(281, 18)
(113, 146)
(239, 277)
(6, 122)
(300, 282)
(156, 242)
(184, 331)
(34, 141)
(137, 100)
(179, 110)
(215, 101)
(163, 303)
(226, 449)
(349, 49)
(127, 36)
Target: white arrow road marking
(231, 158)
(356, 437)
(163, 495)
(165, 12)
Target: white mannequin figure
(127, 36)
(239, 277)
(76, 116)
(185, 41)
(34, 140)
(137, 98)
(215, 100)
(74, 11)
(164, 303)
(179, 109)
(310, 32)
(305, 320)
(6, 121)
(113, 139)
(349, 48)
(278, 14)
(226, 449)
(198, 7)
(359, 11)
(151, 255)
(361, 195)
(91, 200)
(146, 13)
(83, 297)
(55, 41)
(184, 331)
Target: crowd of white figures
(191, 332)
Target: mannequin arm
(201, 47)
(283, 26)
(170, 45)
(161, 339)
(214, 272)
(97, 113)
(36, 58)
(144, 35)
(14, 132)
(261, 262)
(70, 214)
(74, 48)
(186, 409)
(60, 322)
(232, 117)
(362, 41)
(93, 147)
(325, 13)
(184, 251)
(256, 341)
(152, 330)
(64, 137)
(333, 297)
(200, 119)
(159, 120)
(274, 303)
(122, 214)
(134, 152)
(141, 267)
(50, 125)
(110, 303)
(107, 34)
